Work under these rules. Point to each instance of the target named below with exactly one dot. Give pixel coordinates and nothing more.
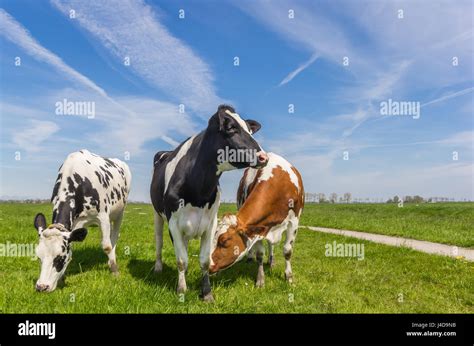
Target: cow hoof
(271, 264)
(113, 268)
(289, 278)
(208, 298)
(181, 289)
(158, 267)
(260, 283)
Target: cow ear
(254, 125)
(223, 119)
(40, 222)
(78, 234)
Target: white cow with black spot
(90, 189)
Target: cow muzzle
(42, 288)
(262, 159)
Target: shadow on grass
(144, 270)
(242, 269)
(85, 259)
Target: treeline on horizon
(309, 198)
(347, 198)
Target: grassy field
(449, 223)
(388, 280)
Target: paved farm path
(419, 245)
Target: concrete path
(419, 245)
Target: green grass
(448, 223)
(425, 283)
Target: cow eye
(231, 129)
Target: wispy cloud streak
(140, 119)
(300, 69)
(34, 134)
(17, 34)
(449, 96)
(131, 29)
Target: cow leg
(271, 258)
(114, 235)
(204, 259)
(288, 249)
(159, 241)
(251, 255)
(105, 229)
(181, 252)
(260, 252)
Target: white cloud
(461, 139)
(170, 141)
(128, 122)
(383, 83)
(301, 142)
(121, 123)
(430, 35)
(449, 96)
(298, 70)
(388, 57)
(131, 29)
(424, 28)
(36, 132)
(17, 34)
(310, 29)
(320, 175)
(151, 120)
(417, 50)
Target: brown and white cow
(270, 201)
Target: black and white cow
(89, 190)
(185, 187)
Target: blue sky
(399, 50)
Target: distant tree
(347, 197)
(396, 199)
(333, 197)
(321, 197)
(418, 199)
(389, 200)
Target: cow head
(236, 148)
(229, 244)
(54, 251)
